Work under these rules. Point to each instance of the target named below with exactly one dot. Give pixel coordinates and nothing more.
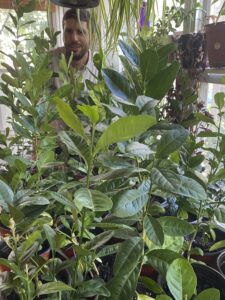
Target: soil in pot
(204, 242)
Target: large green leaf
(144, 297)
(171, 141)
(161, 259)
(76, 146)
(99, 240)
(90, 111)
(92, 199)
(120, 173)
(129, 52)
(171, 182)
(173, 226)
(126, 270)
(50, 235)
(69, 117)
(128, 256)
(53, 287)
(219, 100)
(212, 293)
(118, 85)
(162, 82)
(32, 201)
(181, 279)
(153, 230)
(91, 288)
(6, 195)
(163, 297)
(138, 149)
(149, 62)
(129, 203)
(125, 129)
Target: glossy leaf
(92, 199)
(163, 297)
(53, 287)
(212, 293)
(69, 117)
(181, 279)
(129, 203)
(162, 82)
(153, 230)
(151, 284)
(161, 259)
(125, 129)
(118, 85)
(138, 149)
(171, 182)
(171, 141)
(90, 111)
(126, 270)
(129, 52)
(76, 145)
(173, 226)
(128, 256)
(6, 195)
(219, 100)
(50, 235)
(149, 63)
(92, 288)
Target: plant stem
(195, 233)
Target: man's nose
(75, 36)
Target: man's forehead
(75, 24)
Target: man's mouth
(75, 48)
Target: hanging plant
(77, 3)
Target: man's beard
(76, 56)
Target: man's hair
(81, 15)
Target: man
(76, 39)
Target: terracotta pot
(45, 252)
(77, 3)
(149, 271)
(215, 37)
(4, 231)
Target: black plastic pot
(221, 263)
(209, 278)
(77, 3)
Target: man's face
(76, 38)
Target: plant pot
(210, 258)
(77, 3)
(209, 278)
(4, 253)
(192, 50)
(4, 231)
(45, 251)
(215, 36)
(221, 263)
(149, 271)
